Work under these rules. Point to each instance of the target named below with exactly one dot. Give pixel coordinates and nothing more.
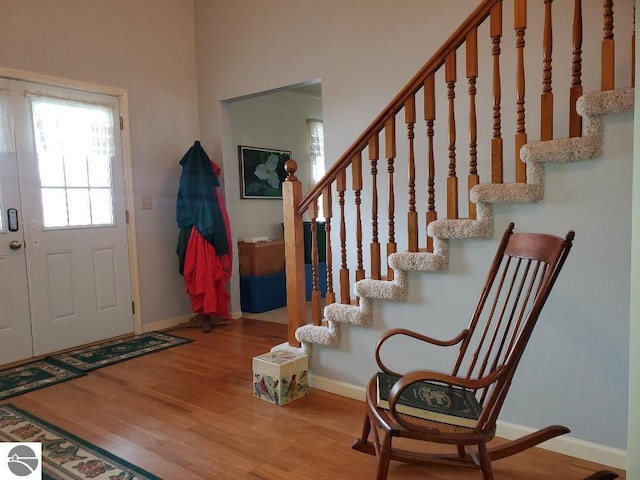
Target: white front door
(15, 327)
(71, 183)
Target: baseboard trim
(166, 323)
(566, 445)
(339, 388)
(172, 322)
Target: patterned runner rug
(103, 354)
(65, 456)
(32, 376)
(76, 363)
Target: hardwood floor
(188, 413)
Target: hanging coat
(204, 241)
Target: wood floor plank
(189, 413)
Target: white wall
(364, 52)
(146, 47)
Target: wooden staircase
(469, 211)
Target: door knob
(15, 245)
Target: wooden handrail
(421, 160)
(436, 61)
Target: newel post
(294, 252)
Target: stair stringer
(592, 107)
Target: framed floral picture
(262, 172)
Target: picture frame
(262, 172)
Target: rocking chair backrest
(522, 274)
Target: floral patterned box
(280, 377)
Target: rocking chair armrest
(428, 375)
(418, 336)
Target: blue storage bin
(262, 293)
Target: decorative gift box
(280, 377)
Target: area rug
(32, 376)
(65, 456)
(103, 354)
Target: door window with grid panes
(74, 147)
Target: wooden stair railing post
(374, 248)
(575, 120)
(430, 118)
(495, 28)
(328, 214)
(608, 48)
(633, 49)
(316, 298)
(294, 252)
(412, 215)
(546, 99)
(450, 77)
(520, 25)
(390, 153)
(356, 185)
(472, 74)
(345, 287)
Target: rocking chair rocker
(522, 274)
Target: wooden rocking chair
(522, 274)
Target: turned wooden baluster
(412, 215)
(390, 153)
(374, 247)
(450, 77)
(294, 252)
(316, 297)
(356, 185)
(327, 206)
(472, 74)
(633, 49)
(575, 120)
(608, 48)
(520, 24)
(345, 290)
(430, 118)
(495, 29)
(546, 99)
